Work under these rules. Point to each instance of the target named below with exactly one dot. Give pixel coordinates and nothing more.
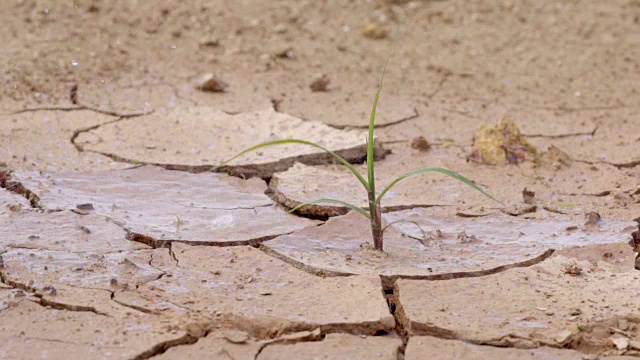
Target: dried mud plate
(453, 247)
(157, 206)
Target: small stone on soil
(375, 31)
(210, 83)
(591, 218)
(528, 196)
(501, 144)
(420, 143)
(320, 83)
(572, 268)
(209, 41)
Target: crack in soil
(627, 165)
(19, 189)
(388, 282)
(135, 307)
(42, 301)
(562, 136)
(391, 123)
(68, 307)
(159, 244)
(223, 208)
(79, 106)
(77, 133)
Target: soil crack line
(77, 107)
(562, 136)
(68, 307)
(19, 189)
(391, 123)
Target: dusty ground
(107, 146)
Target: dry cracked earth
(121, 238)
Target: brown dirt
(92, 256)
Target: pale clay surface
(245, 283)
(77, 73)
(215, 137)
(159, 206)
(490, 243)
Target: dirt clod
(375, 31)
(501, 144)
(420, 143)
(528, 196)
(320, 83)
(210, 83)
(591, 219)
(572, 268)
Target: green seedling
(373, 212)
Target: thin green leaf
(370, 144)
(335, 201)
(303, 142)
(424, 235)
(449, 173)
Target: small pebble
(420, 143)
(320, 83)
(375, 31)
(209, 83)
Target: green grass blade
(424, 235)
(449, 173)
(373, 203)
(335, 201)
(370, 140)
(303, 142)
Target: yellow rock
(501, 144)
(375, 31)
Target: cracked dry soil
(117, 241)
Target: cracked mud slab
(214, 137)
(303, 183)
(454, 247)
(264, 296)
(30, 331)
(577, 188)
(427, 347)
(64, 231)
(336, 346)
(158, 206)
(79, 281)
(560, 302)
(39, 270)
(40, 140)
